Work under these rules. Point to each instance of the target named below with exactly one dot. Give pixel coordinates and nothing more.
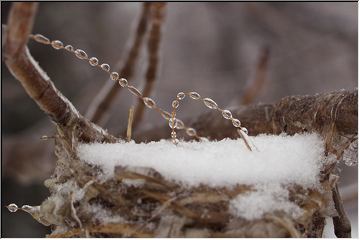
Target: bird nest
(140, 202)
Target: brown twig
(106, 96)
(153, 46)
(342, 226)
(255, 86)
(21, 64)
(36, 82)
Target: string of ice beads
(208, 102)
(174, 123)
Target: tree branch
(106, 96)
(153, 46)
(35, 81)
(293, 114)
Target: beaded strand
(174, 122)
(208, 102)
(93, 61)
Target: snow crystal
(266, 198)
(280, 160)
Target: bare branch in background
(293, 114)
(35, 81)
(153, 46)
(102, 102)
(255, 86)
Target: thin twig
(153, 46)
(106, 96)
(342, 226)
(255, 86)
(130, 122)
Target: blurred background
(213, 48)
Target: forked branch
(35, 81)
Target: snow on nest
(281, 159)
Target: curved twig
(36, 82)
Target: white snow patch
(104, 216)
(265, 199)
(280, 160)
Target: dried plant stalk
(130, 122)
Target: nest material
(139, 202)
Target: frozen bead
(149, 102)
(175, 141)
(165, 114)
(210, 103)
(179, 124)
(27, 208)
(175, 104)
(194, 95)
(134, 91)
(41, 39)
(12, 207)
(173, 134)
(191, 132)
(114, 76)
(180, 96)
(123, 82)
(173, 122)
(69, 48)
(93, 61)
(80, 54)
(226, 114)
(57, 44)
(236, 122)
(245, 130)
(105, 67)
